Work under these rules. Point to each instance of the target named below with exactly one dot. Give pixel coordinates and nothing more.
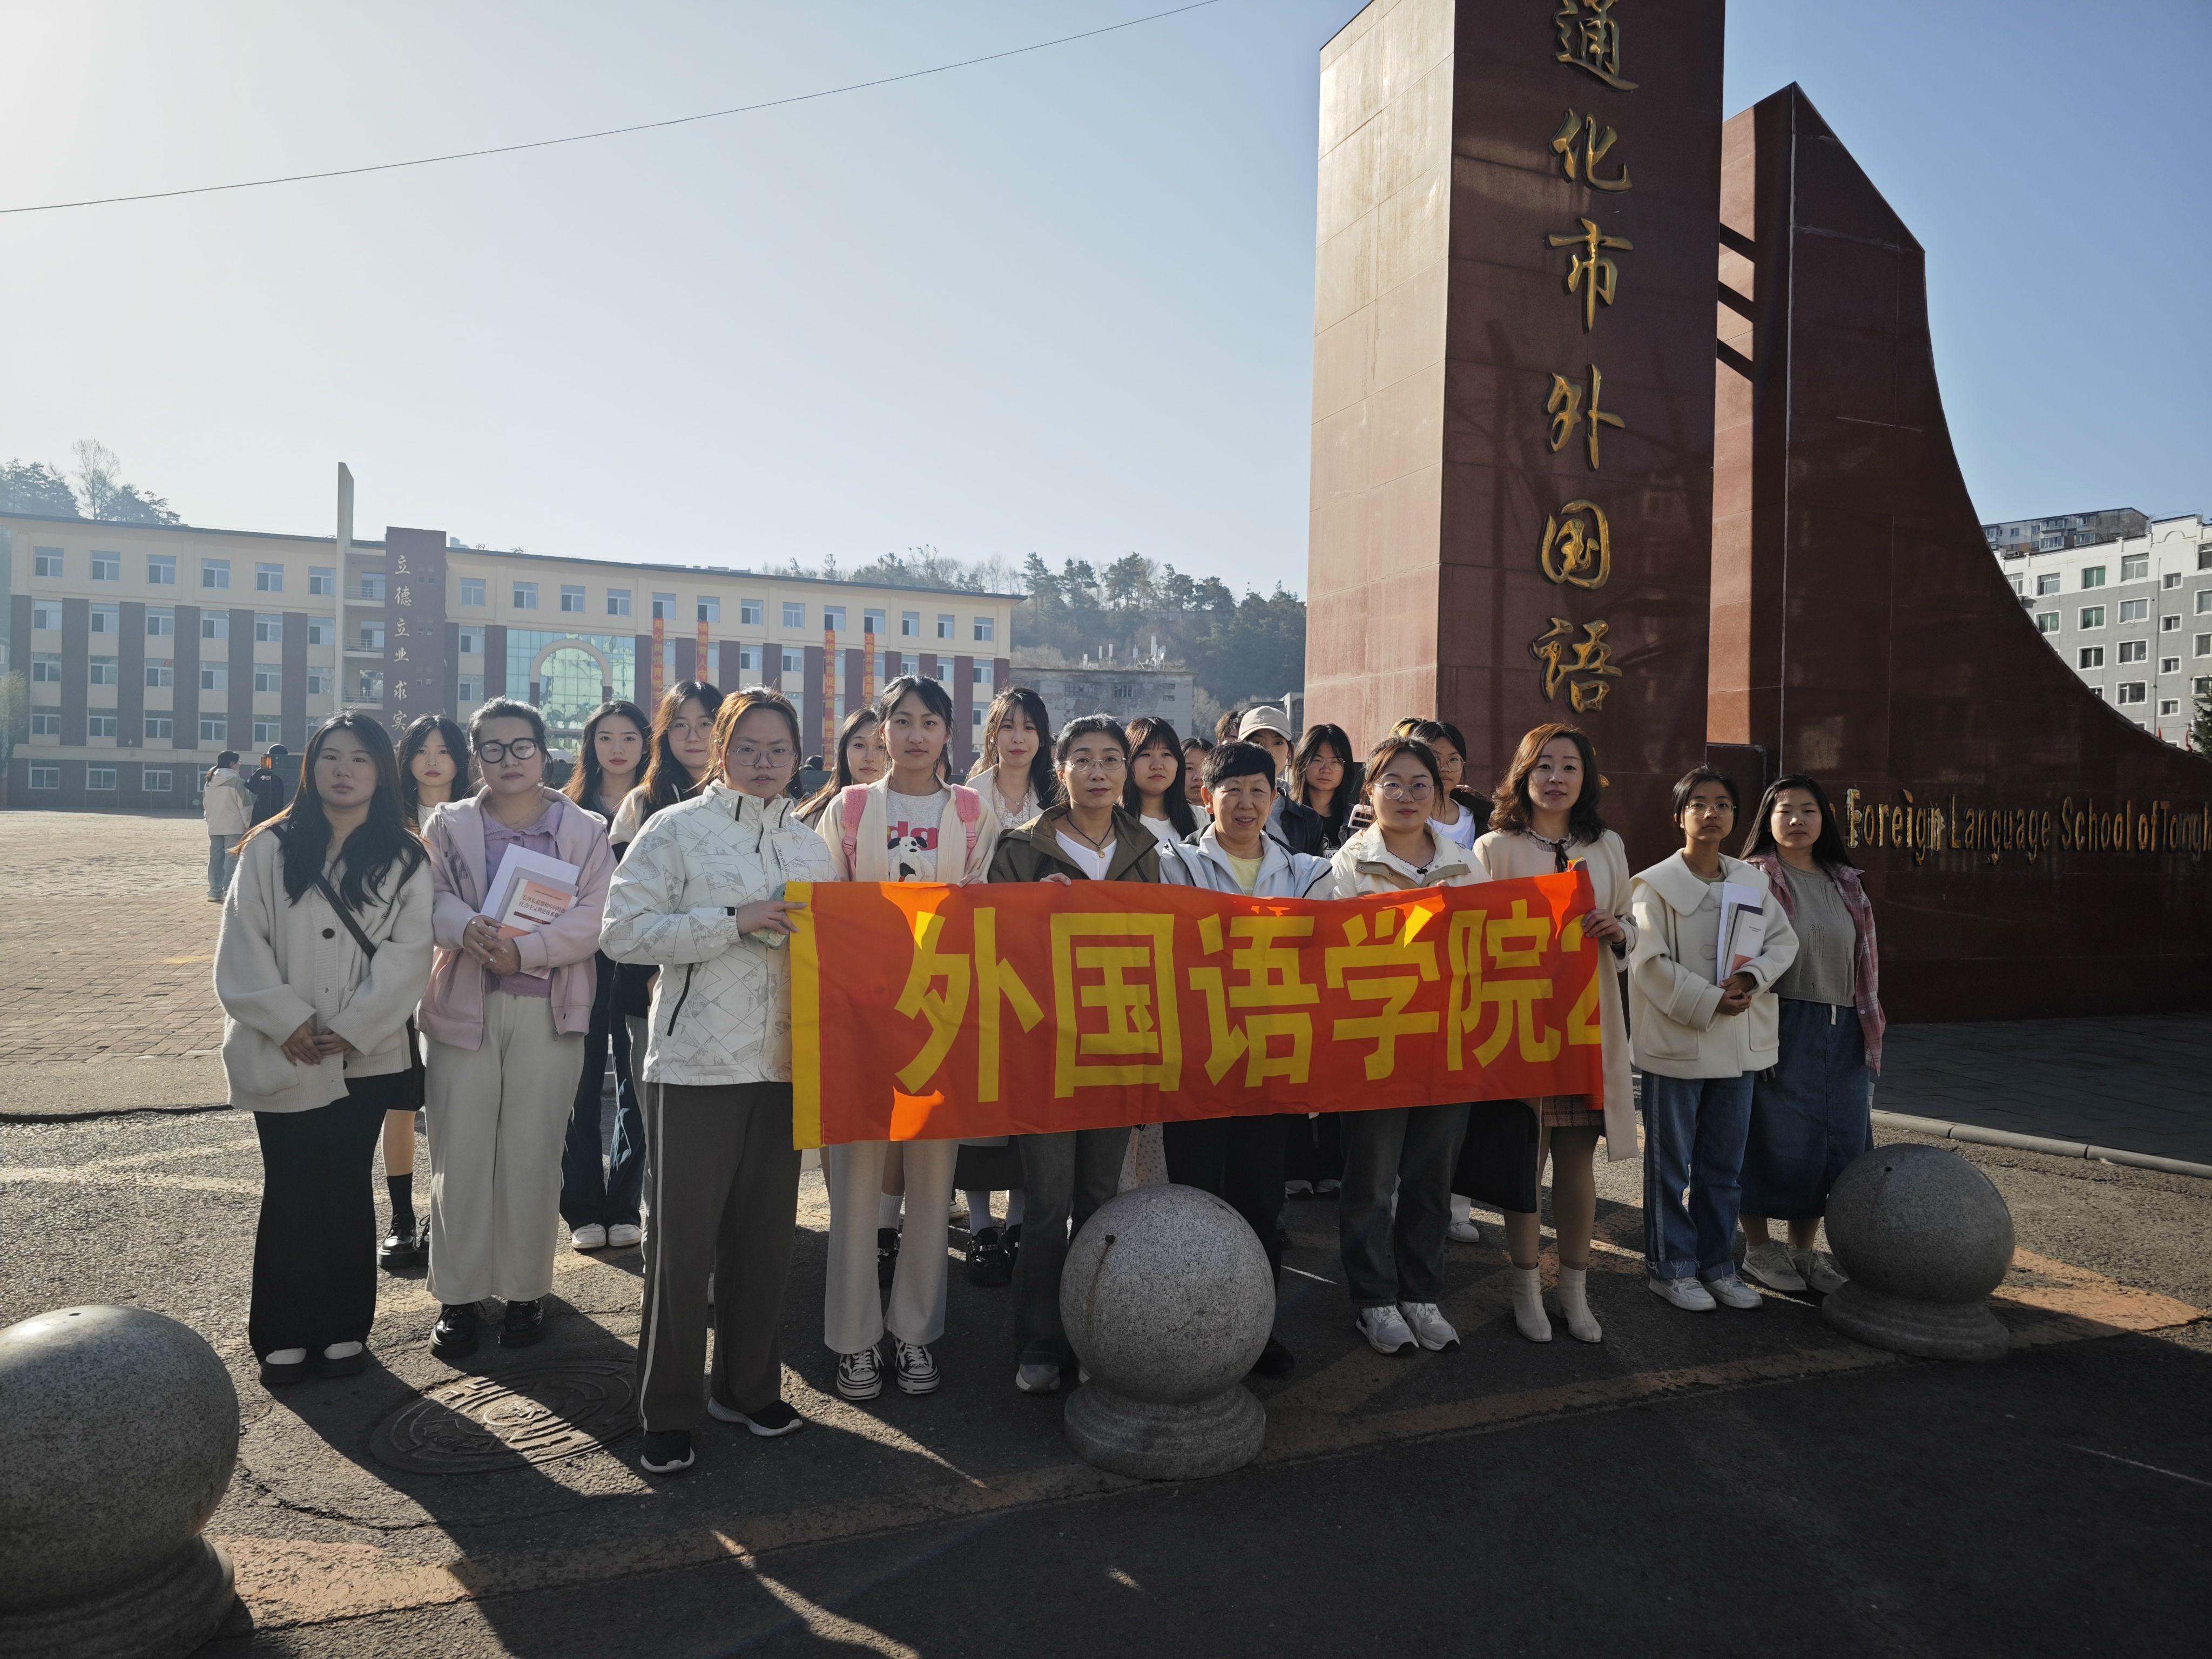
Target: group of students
(357, 913)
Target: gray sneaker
(1732, 1293)
(1687, 1294)
(1773, 1266)
(1819, 1270)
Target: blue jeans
(223, 861)
(592, 1193)
(1693, 1137)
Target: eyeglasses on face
(1418, 789)
(746, 754)
(520, 749)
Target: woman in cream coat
(315, 1040)
(1545, 822)
(1698, 1044)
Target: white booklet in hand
(529, 890)
(1743, 928)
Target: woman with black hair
(599, 1200)
(1811, 1110)
(324, 952)
(861, 759)
(434, 767)
(1014, 772)
(1156, 792)
(1460, 813)
(1325, 778)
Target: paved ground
(1717, 1484)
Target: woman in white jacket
(701, 896)
(1698, 1042)
(1394, 1264)
(910, 824)
(324, 950)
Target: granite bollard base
(122, 1434)
(1925, 1238)
(1167, 1300)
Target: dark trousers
(1065, 1177)
(1313, 1148)
(724, 1201)
(590, 1191)
(314, 1248)
(1240, 1161)
(1411, 1148)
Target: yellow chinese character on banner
(1475, 990)
(1602, 274)
(995, 982)
(942, 1010)
(1394, 966)
(1574, 553)
(1590, 40)
(1564, 406)
(1562, 656)
(1268, 961)
(1135, 1030)
(1583, 170)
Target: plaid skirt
(1568, 1112)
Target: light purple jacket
(453, 1007)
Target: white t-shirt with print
(913, 824)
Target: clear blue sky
(1060, 303)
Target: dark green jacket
(1032, 852)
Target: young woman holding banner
(701, 896)
(1545, 822)
(1088, 837)
(908, 825)
(1394, 1264)
(1696, 1043)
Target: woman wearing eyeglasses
(506, 1018)
(701, 895)
(1394, 1258)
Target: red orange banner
(929, 1013)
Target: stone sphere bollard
(1167, 1300)
(1925, 1238)
(122, 1432)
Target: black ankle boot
(455, 1337)
(525, 1324)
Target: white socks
(887, 1209)
(286, 1357)
(1014, 1207)
(1574, 1303)
(1460, 1205)
(979, 1211)
(1528, 1303)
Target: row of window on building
(153, 780)
(2134, 567)
(2131, 610)
(161, 623)
(215, 729)
(162, 572)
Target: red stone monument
(1520, 513)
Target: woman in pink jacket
(505, 1018)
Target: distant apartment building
(149, 649)
(2066, 530)
(1124, 691)
(2131, 614)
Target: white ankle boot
(1574, 1303)
(1529, 1304)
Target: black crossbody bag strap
(415, 1066)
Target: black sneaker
(455, 1336)
(770, 1422)
(990, 1263)
(402, 1246)
(525, 1324)
(667, 1451)
(1275, 1360)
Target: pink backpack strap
(851, 803)
(970, 806)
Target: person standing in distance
(227, 807)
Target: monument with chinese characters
(418, 664)
(1531, 501)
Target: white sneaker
(624, 1235)
(1385, 1329)
(1430, 1328)
(1773, 1265)
(1464, 1232)
(1732, 1291)
(917, 1371)
(1819, 1270)
(593, 1238)
(1687, 1294)
(860, 1376)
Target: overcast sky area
(1061, 302)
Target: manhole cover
(482, 1425)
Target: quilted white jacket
(721, 1006)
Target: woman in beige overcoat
(1546, 821)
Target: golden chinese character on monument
(402, 596)
(1575, 553)
(1267, 958)
(399, 654)
(398, 692)
(1564, 406)
(399, 628)
(1394, 966)
(1139, 1036)
(1590, 40)
(1603, 275)
(399, 567)
(1583, 170)
(1565, 656)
